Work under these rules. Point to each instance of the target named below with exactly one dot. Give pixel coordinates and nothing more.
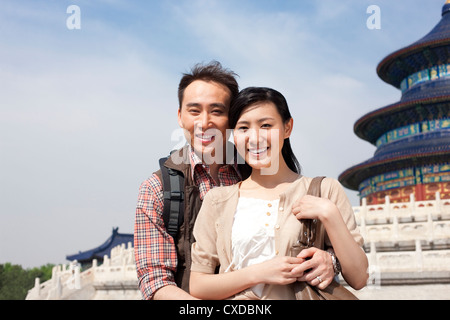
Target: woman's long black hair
(251, 95)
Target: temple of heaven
(412, 136)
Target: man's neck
(214, 172)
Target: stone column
(419, 255)
(37, 286)
(77, 277)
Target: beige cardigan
(213, 226)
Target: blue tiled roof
(432, 105)
(424, 148)
(99, 252)
(429, 51)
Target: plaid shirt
(155, 251)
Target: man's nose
(204, 120)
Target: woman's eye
(266, 125)
(242, 128)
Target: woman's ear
(288, 128)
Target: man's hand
(318, 270)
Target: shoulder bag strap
(308, 235)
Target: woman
(249, 228)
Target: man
(163, 263)
(204, 100)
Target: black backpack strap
(173, 188)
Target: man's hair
(212, 71)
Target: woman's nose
(254, 137)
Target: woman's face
(259, 135)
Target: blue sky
(85, 114)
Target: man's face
(204, 117)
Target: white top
(253, 234)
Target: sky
(87, 110)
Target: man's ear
(180, 123)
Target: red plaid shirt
(155, 251)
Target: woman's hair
(212, 71)
(250, 96)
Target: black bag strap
(173, 188)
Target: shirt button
(276, 252)
(268, 214)
(266, 224)
(277, 226)
(281, 208)
(269, 205)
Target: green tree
(16, 281)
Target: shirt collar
(196, 160)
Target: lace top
(253, 234)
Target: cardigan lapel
(228, 210)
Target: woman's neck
(283, 175)
(260, 185)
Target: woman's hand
(277, 270)
(310, 207)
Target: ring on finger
(318, 278)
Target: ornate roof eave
(420, 51)
(400, 56)
(425, 148)
(362, 127)
(352, 177)
(97, 253)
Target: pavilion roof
(104, 249)
(421, 149)
(431, 50)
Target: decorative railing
(116, 272)
(412, 211)
(404, 242)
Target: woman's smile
(258, 153)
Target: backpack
(173, 190)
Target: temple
(85, 258)
(412, 136)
